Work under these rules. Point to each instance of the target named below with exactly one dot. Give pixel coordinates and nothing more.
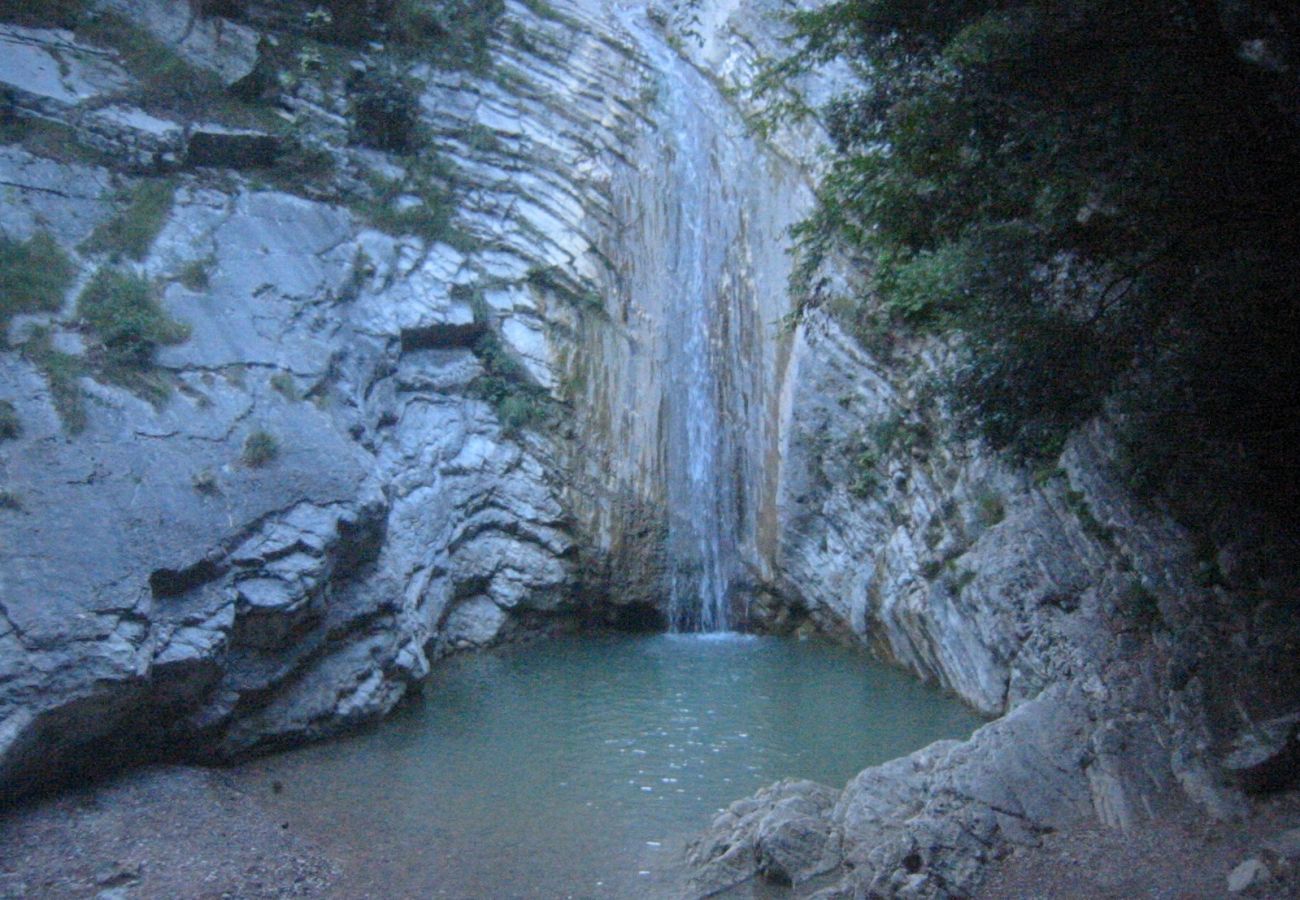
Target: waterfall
(687, 273)
(699, 464)
(686, 393)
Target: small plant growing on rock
(260, 449)
(453, 34)
(34, 276)
(121, 310)
(990, 509)
(194, 275)
(61, 371)
(205, 482)
(11, 501)
(10, 426)
(132, 231)
(283, 384)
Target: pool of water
(577, 767)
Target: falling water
(691, 397)
(701, 220)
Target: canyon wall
(532, 372)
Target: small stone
(1247, 875)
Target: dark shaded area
(1101, 197)
(167, 583)
(441, 337)
(227, 150)
(639, 618)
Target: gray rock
(783, 835)
(1246, 875)
(227, 49)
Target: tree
(1098, 195)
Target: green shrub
(133, 230)
(167, 82)
(481, 138)
(520, 410)
(554, 280)
(385, 112)
(989, 508)
(34, 276)
(10, 425)
(430, 219)
(195, 274)
(122, 311)
(11, 501)
(260, 449)
(518, 402)
(452, 34)
(62, 372)
(49, 140)
(921, 287)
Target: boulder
(782, 834)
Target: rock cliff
(263, 529)
(340, 361)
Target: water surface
(576, 767)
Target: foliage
(167, 82)
(49, 140)
(556, 281)
(385, 111)
(390, 209)
(205, 482)
(990, 508)
(519, 403)
(62, 372)
(11, 501)
(132, 231)
(120, 309)
(10, 425)
(260, 449)
(451, 34)
(195, 274)
(34, 276)
(1099, 196)
(47, 13)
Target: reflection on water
(577, 767)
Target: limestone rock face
(165, 590)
